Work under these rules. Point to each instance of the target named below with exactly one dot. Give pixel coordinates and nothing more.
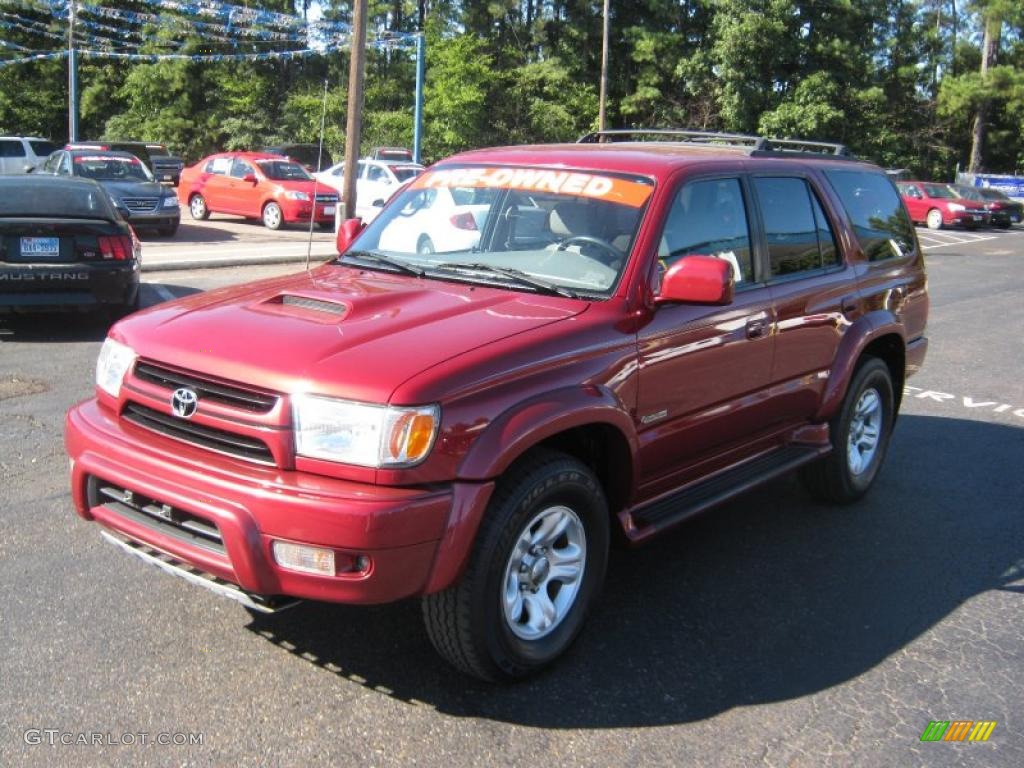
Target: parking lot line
(935, 240)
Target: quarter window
(876, 211)
(709, 218)
(798, 233)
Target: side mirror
(250, 178)
(379, 203)
(29, 168)
(349, 230)
(697, 280)
(124, 212)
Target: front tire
(198, 208)
(533, 576)
(860, 436)
(272, 216)
(934, 219)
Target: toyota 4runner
(608, 336)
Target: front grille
(229, 443)
(326, 198)
(207, 389)
(141, 204)
(156, 515)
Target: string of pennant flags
(230, 25)
(156, 57)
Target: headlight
(170, 202)
(956, 207)
(113, 363)
(293, 195)
(363, 434)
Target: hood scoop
(307, 307)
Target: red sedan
(256, 185)
(937, 205)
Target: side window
(240, 169)
(798, 234)
(64, 166)
(219, 165)
(361, 169)
(11, 148)
(376, 173)
(709, 218)
(876, 211)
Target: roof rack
(760, 146)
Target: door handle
(849, 304)
(756, 328)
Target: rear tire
(934, 219)
(534, 574)
(860, 434)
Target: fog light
(298, 557)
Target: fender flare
(504, 440)
(863, 331)
(531, 421)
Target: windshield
(283, 170)
(556, 231)
(969, 192)
(938, 190)
(993, 194)
(111, 168)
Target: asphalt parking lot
(772, 631)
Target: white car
(376, 182)
(23, 154)
(438, 220)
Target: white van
(21, 154)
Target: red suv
(937, 205)
(637, 332)
(256, 185)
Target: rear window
(874, 206)
(57, 200)
(405, 172)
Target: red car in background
(258, 186)
(937, 205)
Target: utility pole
(72, 75)
(354, 119)
(601, 121)
(417, 128)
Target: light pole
(72, 76)
(601, 119)
(354, 119)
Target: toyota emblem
(184, 402)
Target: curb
(171, 265)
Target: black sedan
(131, 186)
(63, 244)
(999, 199)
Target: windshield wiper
(375, 258)
(515, 275)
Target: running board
(168, 564)
(680, 505)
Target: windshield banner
(615, 190)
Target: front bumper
(160, 219)
(396, 530)
(298, 211)
(969, 219)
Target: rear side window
(43, 148)
(876, 211)
(11, 148)
(799, 236)
(709, 218)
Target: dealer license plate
(40, 246)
